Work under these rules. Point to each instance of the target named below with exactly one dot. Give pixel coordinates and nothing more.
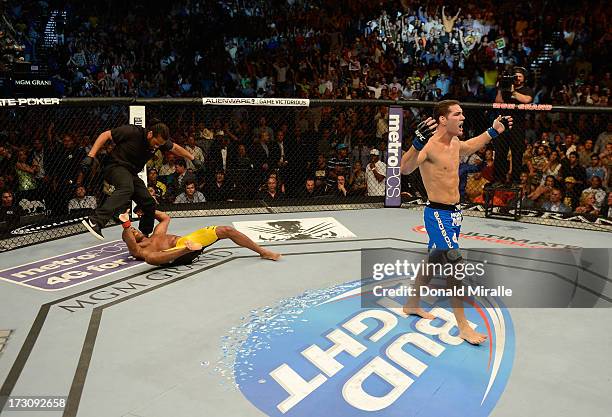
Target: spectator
(309, 190)
(603, 139)
(190, 195)
(222, 153)
(10, 213)
(320, 172)
(465, 169)
(357, 180)
(361, 152)
(597, 191)
(375, 175)
(488, 165)
(537, 164)
(338, 165)
(587, 205)
(82, 201)
(153, 192)
(596, 170)
(572, 168)
(474, 188)
(65, 172)
(195, 150)
(526, 189)
(584, 153)
(554, 203)
(152, 181)
(572, 193)
(552, 167)
(606, 209)
(179, 179)
(341, 187)
(264, 154)
(271, 192)
(167, 168)
(37, 158)
(242, 174)
(25, 174)
(542, 192)
(220, 190)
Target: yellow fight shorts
(205, 237)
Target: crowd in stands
(12, 42)
(345, 49)
(332, 48)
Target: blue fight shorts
(443, 225)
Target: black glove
(86, 164)
(506, 123)
(197, 164)
(422, 134)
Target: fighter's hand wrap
(86, 164)
(504, 120)
(422, 134)
(492, 132)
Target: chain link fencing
(282, 155)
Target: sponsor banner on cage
(294, 229)
(256, 101)
(393, 181)
(73, 268)
(536, 214)
(10, 102)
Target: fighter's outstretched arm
(412, 159)
(472, 145)
(417, 153)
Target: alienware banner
(393, 182)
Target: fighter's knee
(224, 232)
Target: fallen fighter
(162, 248)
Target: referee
(134, 146)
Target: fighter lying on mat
(162, 248)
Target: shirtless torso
(440, 170)
(156, 243)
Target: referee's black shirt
(132, 149)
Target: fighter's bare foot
(268, 254)
(471, 336)
(192, 245)
(417, 311)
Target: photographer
(512, 89)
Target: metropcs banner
(393, 179)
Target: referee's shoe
(93, 228)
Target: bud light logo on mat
(323, 354)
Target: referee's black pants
(128, 187)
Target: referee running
(134, 146)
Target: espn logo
(4, 335)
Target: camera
(506, 80)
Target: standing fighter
(436, 151)
(134, 146)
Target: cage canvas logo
(331, 357)
(293, 229)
